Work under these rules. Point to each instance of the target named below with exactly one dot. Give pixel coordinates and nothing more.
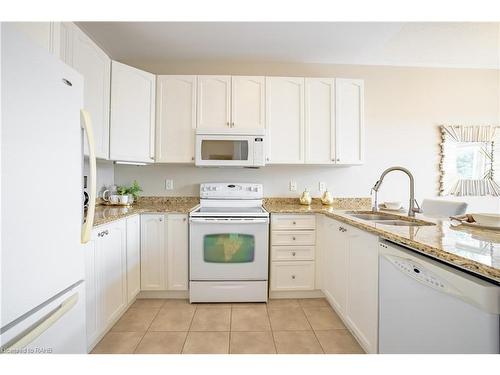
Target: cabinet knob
(184, 219)
(293, 277)
(338, 159)
(293, 253)
(160, 219)
(294, 223)
(192, 158)
(227, 123)
(293, 238)
(267, 159)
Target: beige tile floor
(304, 326)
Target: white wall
(105, 174)
(403, 109)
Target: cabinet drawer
(292, 253)
(292, 276)
(293, 237)
(287, 222)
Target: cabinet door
(80, 52)
(176, 119)
(320, 121)
(177, 252)
(362, 290)
(248, 102)
(285, 120)
(214, 102)
(335, 265)
(133, 257)
(44, 34)
(132, 114)
(153, 251)
(112, 247)
(92, 293)
(295, 275)
(349, 121)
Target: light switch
(322, 186)
(293, 185)
(169, 184)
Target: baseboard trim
(170, 294)
(297, 294)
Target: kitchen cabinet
(350, 279)
(177, 252)
(362, 287)
(335, 255)
(248, 102)
(153, 252)
(133, 257)
(81, 53)
(214, 102)
(349, 121)
(44, 34)
(176, 119)
(293, 239)
(319, 121)
(105, 278)
(231, 103)
(132, 123)
(285, 120)
(112, 268)
(164, 252)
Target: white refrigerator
(42, 228)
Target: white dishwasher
(428, 307)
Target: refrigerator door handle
(86, 124)
(41, 326)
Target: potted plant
(131, 191)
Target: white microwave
(243, 149)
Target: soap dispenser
(305, 198)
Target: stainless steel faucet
(411, 207)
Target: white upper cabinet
(248, 102)
(214, 102)
(349, 121)
(175, 119)
(133, 94)
(285, 120)
(80, 52)
(320, 121)
(44, 34)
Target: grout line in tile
(147, 330)
(189, 329)
(272, 330)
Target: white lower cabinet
(293, 239)
(153, 252)
(350, 279)
(105, 278)
(133, 257)
(177, 252)
(164, 252)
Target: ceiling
(466, 44)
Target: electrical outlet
(322, 186)
(293, 185)
(169, 184)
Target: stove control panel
(226, 190)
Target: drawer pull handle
(293, 277)
(293, 238)
(293, 253)
(294, 223)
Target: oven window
(228, 248)
(224, 149)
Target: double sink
(388, 219)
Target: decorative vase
(327, 198)
(305, 198)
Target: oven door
(228, 248)
(224, 151)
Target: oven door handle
(229, 220)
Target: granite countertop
(477, 251)
(183, 205)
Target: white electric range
(229, 244)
